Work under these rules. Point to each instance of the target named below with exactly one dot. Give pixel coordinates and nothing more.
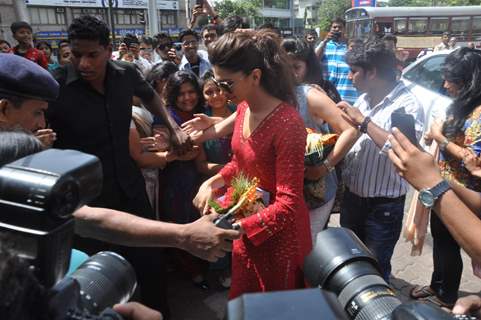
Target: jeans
(377, 222)
(447, 262)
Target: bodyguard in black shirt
(92, 114)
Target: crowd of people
(174, 127)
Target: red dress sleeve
(288, 158)
(230, 170)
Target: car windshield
(428, 74)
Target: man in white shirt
(444, 45)
(373, 203)
(192, 59)
(133, 45)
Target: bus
(416, 28)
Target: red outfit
(271, 254)
(34, 55)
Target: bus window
(460, 27)
(476, 27)
(359, 28)
(400, 25)
(418, 25)
(439, 25)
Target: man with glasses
(192, 60)
(133, 46)
(163, 45)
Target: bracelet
(363, 126)
(443, 144)
(328, 166)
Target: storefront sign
(127, 4)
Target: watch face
(426, 198)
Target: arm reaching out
(201, 237)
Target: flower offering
(318, 147)
(242, 199)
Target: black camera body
(38, 195)
(339, 266)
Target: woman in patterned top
(461, 133)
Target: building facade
(51, 18)
(280, 13)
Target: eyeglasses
(163, 46)
(146, 49)
(190, 43)
(225, 85)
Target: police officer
(25, 89)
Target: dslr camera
(346, 284)
(38, 194)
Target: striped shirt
(336, 70)
(366, 172)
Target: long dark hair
(161, 71)
(462, 67)
(300, 49)
(175, 81)
(246, 51)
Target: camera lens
(105, 279)
(342, 264)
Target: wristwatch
(363, 126)
(428, 197)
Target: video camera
(347, 285)
(38, 195)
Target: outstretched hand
(198, 123)
(204, 240)
(181, 142)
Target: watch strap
(363, 126)
(439, 189)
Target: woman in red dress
(268, 143)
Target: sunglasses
(225, 85)
(164, 46)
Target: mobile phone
(224, 221)
(336, 35)
(406, 124)
(199, 2)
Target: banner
(363, 3)
(121, 4)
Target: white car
(425, 80)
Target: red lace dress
(270, 255)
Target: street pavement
(189, 303)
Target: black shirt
(99, 124)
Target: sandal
(434, 300)
(421, 292)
